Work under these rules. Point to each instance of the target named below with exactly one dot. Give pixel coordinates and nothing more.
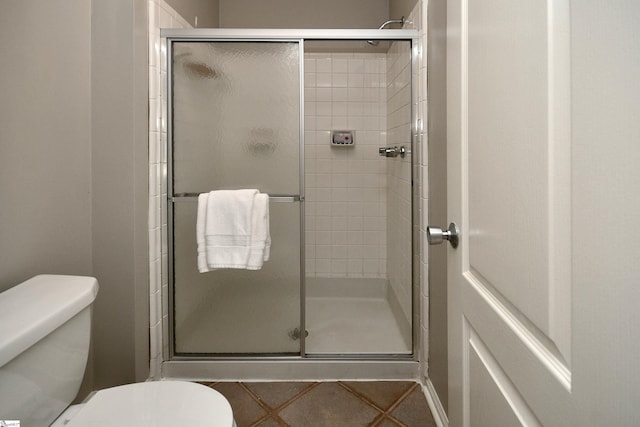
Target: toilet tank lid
(36, 307)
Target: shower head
(383, 26)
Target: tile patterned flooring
(330, 404)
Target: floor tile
(246, 410)
(414, 410)
(272, 421)
(329, 405)
(274, 394)
(387, 422)
(382, 393)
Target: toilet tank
(45, 330)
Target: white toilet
(45, 328)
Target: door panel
(508, 281)
(507, 203)
(511, 97)
(488, 388)
(512, 172)
(539, 153)
(526, 361)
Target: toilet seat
(155, 404)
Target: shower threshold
(290, 369)
(356, 332)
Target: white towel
(228, 228)
(222, 213)
(201, 221)
(260, 237)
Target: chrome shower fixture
(384, 24)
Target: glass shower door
(235, 123)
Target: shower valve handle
(392, 151)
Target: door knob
(436, 235)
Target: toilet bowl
(45, 326)
(158, 403)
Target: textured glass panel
(237, 311)
(236, 116)
(236, 124)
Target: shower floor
(353, 316)
(343, 316)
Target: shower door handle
(282, 198)
(436, 235)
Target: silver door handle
(436, 235)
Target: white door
(544, 185)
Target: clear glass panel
(236, 116)
(236, 124)
(358, 212)
(237, 311)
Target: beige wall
(399, 8)
(120, 190)
(73, 162)
(288, 13)
(207, 12)
(438, 195)
(45, 129)
(303, 13)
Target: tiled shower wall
(161, 15)
(346, 199)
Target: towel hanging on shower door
(232, 230)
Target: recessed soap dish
(342, 138)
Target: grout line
(397, 421)
(275, 412)
(268, 410)
(384, 414)
(256, 399)
(401, 399)
(362, 397)
(297, 396)
(376, 421)
(390, 419)
(253, 395)
(391, 406)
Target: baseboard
(439, 415)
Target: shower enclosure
(322, 122)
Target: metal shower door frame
(289, 36)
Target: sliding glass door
(235, 123)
